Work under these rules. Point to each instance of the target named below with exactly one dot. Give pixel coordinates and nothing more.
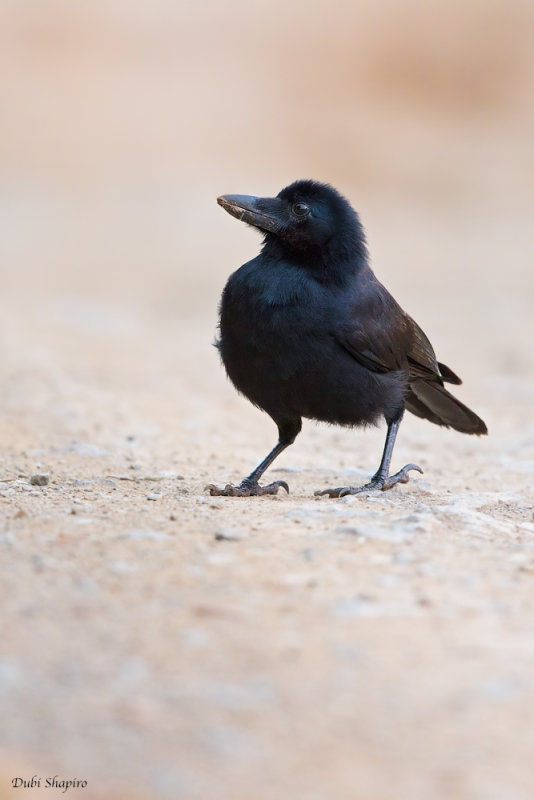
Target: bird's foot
(375, 484)
(246, 488)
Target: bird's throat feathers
(336, 262)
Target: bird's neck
(334, 262)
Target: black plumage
(307, 330)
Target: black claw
(280, 485)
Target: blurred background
(121, 122)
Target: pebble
(153, 496)
(227, 535)
(40, 479)
(107, 482)
(352, 499)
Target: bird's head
(306, 219)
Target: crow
(307, 330)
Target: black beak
(261, 212)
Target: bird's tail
(448, 375)
(430, 400)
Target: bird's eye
(301, 209)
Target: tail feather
(448, 375)
(418, 408)
(432, 401)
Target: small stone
(107, 482)
(354, 499)
(153, 496)
(227, 536)
(40, 479)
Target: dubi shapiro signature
(36, 782)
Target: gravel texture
(164, 642)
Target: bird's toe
(377, 484)
(402, 476)
(246, 489)
(331, 492)
(272, 488)
(216, 491)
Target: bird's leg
(249, 487)
(381, 480)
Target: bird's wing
(383, 338)
(422, 359)
(376, 353)
(377, 342)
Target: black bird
(306, 330)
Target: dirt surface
(160, 643)
(163, 643)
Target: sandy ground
(162, 644)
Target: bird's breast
(285, 357)
(267, 317)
